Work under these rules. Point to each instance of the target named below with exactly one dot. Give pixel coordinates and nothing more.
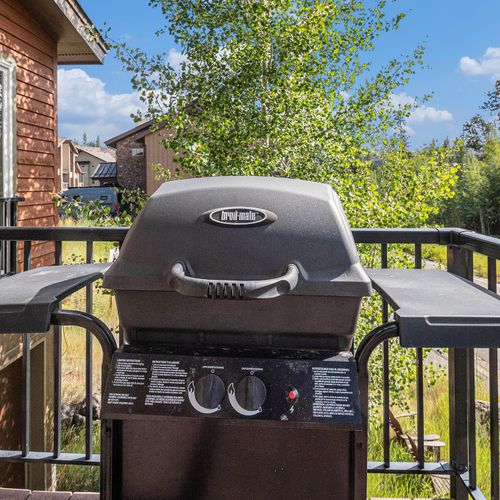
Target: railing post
(8, 249)
(459, 263)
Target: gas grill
(275, 255)
(238, 299)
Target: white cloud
(421, 113)
(84, 105)
(401, 99)
(488, 64)
(430, 114)
(176, 58)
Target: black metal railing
(8, 218)
(461, 245)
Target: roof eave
(143, 129)
(78, 41)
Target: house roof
(78, 41)
(62, 140)
(141, 130)
(103, 154)
(105, 171)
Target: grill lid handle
(231, 288)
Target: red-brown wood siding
(23, 39)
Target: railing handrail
(77, 233)
(470, 240)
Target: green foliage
(273, 88)
(477, 202)
(285, 88)
(131, 201)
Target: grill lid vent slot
(231, 291)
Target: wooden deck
(11, 494)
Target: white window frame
(137, 152)
(8, 139)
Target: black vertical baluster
(385, 308)
(12, 245)
(88, 363)
(471, 418)
(27, 256)
(460, 262)
(5, 245)
(25, 445)
(57, 391)
(4, 268)
(420, 382)
(386, 398)
(57, 370)
(418, 256)
(493, 362)
(58, 245)
(420, 409)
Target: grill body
(238, 299)
(209, 460)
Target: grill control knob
(208, 393)
(251, 393)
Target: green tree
(492, 103)
(477, 202)
(476, 132)
(491, 161)
(468, 207)
(286, 88)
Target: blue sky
(462, 55)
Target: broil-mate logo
(241, 216)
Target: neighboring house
(69, 172)
(138, 150)
(35, 37)
(89, 158)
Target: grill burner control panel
(144, 384)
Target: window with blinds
(7, 127)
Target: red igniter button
(292, 395)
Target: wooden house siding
(156, 154)
(35, 53)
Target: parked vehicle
(103, 196)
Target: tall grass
(70, 477)
(436, 417)
(78, 477)
(438, 253)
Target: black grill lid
(234, 230)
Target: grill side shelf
(439, 309)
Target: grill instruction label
(333, 391)
(146, 384)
